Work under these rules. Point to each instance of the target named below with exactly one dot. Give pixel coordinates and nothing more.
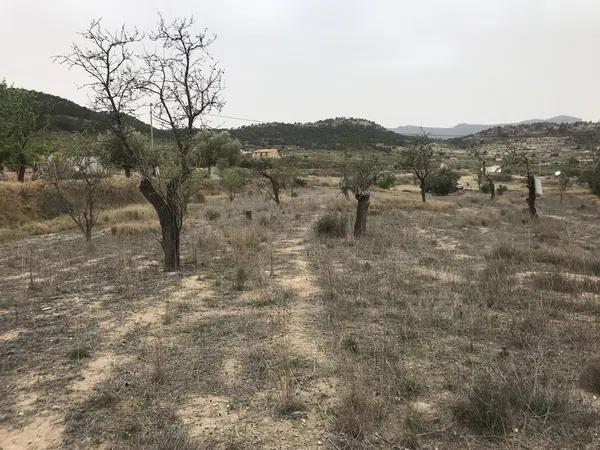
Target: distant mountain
(338, 133)
(465, 129)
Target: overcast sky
(420, 62)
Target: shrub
(385, 180)
(485, 188)
(443, 181)
(508, 251)
(590, 377)
(300, 182)
(331, 225)
(506, 397)
(502, 177)
(501, 189)
(592, 178)
(357, 414)
(212, 214)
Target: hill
(465, 129)
(330, 134)
(580, 133)
(57, 114)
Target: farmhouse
(268, 153)
(493, 169)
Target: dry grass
(509, 397)
(36, 228)
(435, 330)
(481, 218)
(466, 310)
(129, 228)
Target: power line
(243, 119)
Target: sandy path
(45, 428)
(260, 427)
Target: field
(457, 323)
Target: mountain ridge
(466, 129)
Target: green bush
(501, 189)
(331, 225)
(592, 178)
(502, 177)
(443, 181)
(385, 180)
(485, 188)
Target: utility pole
(151, 129)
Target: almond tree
(78, 177)
(517, 155)
(182, 80)
(274, 174)
(418, 159)
(484, 172)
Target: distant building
(267, 153)
(493, 169)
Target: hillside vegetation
(57, 114)
(338, 133)
(580, 133)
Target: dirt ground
(275, 337)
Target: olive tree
(233, 180)
(184, 82)
(358, 180)
(18, 126)
(218, 149)
(418, 159)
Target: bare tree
(418, 159)
(345, 177)
(274, 173)
(568, 170)
(517, 155)
(78, 178)
(484, 172)
(185, 83)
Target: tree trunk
(275, 186)
(362, 211)
(169, 224)
(21, 173)
(492, 190)
(35, 174)
(171, 243)
(531, 195)
(127, 170)
(88, 236)
(422, 186)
